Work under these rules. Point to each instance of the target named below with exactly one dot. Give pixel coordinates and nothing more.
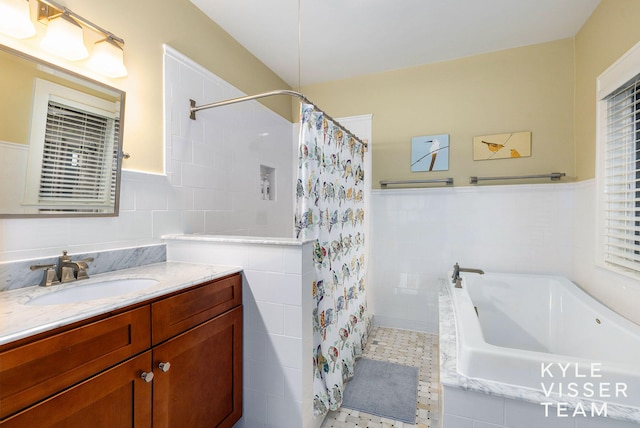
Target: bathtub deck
(410, 348)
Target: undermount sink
(96, 290)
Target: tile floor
(406, 347)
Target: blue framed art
(430, 153)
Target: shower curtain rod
(193, 108)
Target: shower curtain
(330, 211)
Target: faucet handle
(50, 276)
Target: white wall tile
(473, 405)
(522, 414)
(29, 234)
(281, 413)
(166, 223)
(285, 351)
(267, 258)
(452, 421)
(418, 234)
(293, 316)
(292, 260)
(293, 384)
(180, 198)
(480, 424)
(88, 230)
(151, 196)
(181, 149)
(597, 422)
(255, 415)
(287, 289)
(270, 316)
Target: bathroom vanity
(167, 356)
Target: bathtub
(544, 334)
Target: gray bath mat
(383, 389)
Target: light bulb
(108, 59)
(15, 20)
(64, 38)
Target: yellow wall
(16, 87)
(146, 25)
(610, 31)
(17, 83)
(522, 89)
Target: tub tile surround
(278, 334)
(17, 274)
(418, 234)
(470, 402)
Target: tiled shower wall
(212, 183)
(215, 161)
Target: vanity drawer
(176, 314)
(39, 369)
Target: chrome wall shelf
(446, 181)
(554, 176)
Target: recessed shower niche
(267, 183)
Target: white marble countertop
(450, 376)
(237, 239)
(19, 320)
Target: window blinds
(622, 177)
(77, 159)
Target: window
(619, 164)
(73, 150)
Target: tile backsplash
(17, 274)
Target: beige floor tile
(403, 347)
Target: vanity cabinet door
(34, 371)
(203, 386)
(116, 398)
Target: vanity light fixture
(108, 58)
(67, 41)
(15, 20)
(64, 38)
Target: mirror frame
(86, 81)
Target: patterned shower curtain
(330, 210)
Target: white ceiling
(346, 38)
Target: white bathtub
(544, 333)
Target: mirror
(60, 141)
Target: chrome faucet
(50, 275)
(455, 278)
(66, 270)
(72, 270)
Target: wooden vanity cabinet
(199, 332)
(188, 346)
(203, 387)
(117, 397)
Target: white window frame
(45, 91)
(611, 80)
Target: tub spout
(455, 278)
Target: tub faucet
(455, 278)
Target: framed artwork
(430, 153)
(502, 146)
